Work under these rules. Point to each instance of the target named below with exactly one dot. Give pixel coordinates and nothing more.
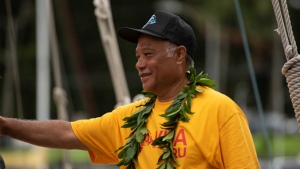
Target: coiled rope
(291, 68)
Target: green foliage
(137, 124)
(282, 144)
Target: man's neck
(172, 92)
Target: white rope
(289, 26)
(111, 49)
(60, 97)
(13, 52)
(59, 94)
(291, 68)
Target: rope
(111, 49)
(15, 69)
(291, 68)
(59, 93)
(253, 80)
(289, 27)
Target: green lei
(177, 111)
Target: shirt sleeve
(104, 135)
(238, 150)
(101, 143)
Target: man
(2, 164)
(211, 131)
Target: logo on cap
(152, 20)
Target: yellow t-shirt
(217, 135)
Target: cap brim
(132, 35)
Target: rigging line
(291, 69)
(282, 29)
(13, 48)
(58, 92)
(288, 25)
(253, 79)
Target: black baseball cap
(166, 26)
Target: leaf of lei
(177, 111)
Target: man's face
(157, 70)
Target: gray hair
(170, 49)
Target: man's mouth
(142, 75)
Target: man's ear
(180, 54)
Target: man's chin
(147, 88)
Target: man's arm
(51, 133)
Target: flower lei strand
(176, 112)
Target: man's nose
(140, 64)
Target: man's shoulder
(210, 93)
(131, 107)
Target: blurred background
(28, 77)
